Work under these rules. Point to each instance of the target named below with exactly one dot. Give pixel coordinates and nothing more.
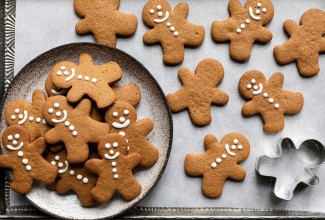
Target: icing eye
(60, 164)
(66, 73)
(16, 110)
(253, 81)
(53, 162)
(265, 95)
(126, 112)
(59, 73)
(66, 123)
(255, 87)
(17, 136)
(31, 118)
(20, 116)
(58, 113)
(51, 110)
(160, 14)
(79, 76)
(56, 105)
(13, 117)
(115, 144)
(235, 141)
(14, 142)
(259, 4)
(107, 145)
(62, 67)
(115, 114)
(111, 151)
(158, 7)
(152, 11)
(257, 12)
(240, 147)
(264, 10)
(233, 147)
(85, 180)
(122, 119)
(249, 86)
(57, 157)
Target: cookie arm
(249, 109)
(276, 80)
(237, 173)
(144, 126)
(38, 97)
(193, 165)
(219, 97)
(176, 101)
(234, 6)
(39, 145)
(5, 161)
(309, 178)
(151, 37)
(290, 27)
(84, 106)
(53, 136)
(94, 165)
(62, 186)
(181, 10)
(263, 35)
(75, 94)
(133, 160)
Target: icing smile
(251, 13)
(22, 121)
(65, 169)
(112, 157)
(229, 151)
(259, 91)
(118, 125)
(15, 148)
(73, 72)
(162, 19)
(65, 115)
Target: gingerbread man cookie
(305, 43)
(114, 170)
(87, 79)
(244, 27)
(268, 99)
(219, 162)
(73, 177)
(122, 117)
(25, 160)
(171, 29)
(73, 126)
(199, 91)
(103, 19)
(29, 115)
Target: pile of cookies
(84, 137)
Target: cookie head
(112, 146)
(55, 110)
(260, 10)
(121, 115)
(14, 138)
(52, 89)
(17, 112)
(156, 12)
(251, 84)
(59, 160)
(63, 74)
(236, 146)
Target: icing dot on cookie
(255, 87)
(168, 24)
(25, 161)
(14, 142)
(151, 11)
(224, 156)
(122, 133)
(56, 105)
(213, 165)
(31, 118)
(20, 153)
(113, 163)
(93, 80)
(28, 167)
(66, 123)
(20, 116)
(259, 4)
(59, 73)
(115, 144)
(71, 127)
(271, 100)
(53, 162)
(233, 147)
(71, 172)
(74, 133)
(257, 12)
(62, 67)
(115, 114)
(60, 165)
(44, 122)
(176, 34)
(17, 136)
(38, 120)
(13, 117)
(253, 81)
(115, 176)
(240, 147)
(51, 110)
(158, 7)
(242, 26)
(126, 112)
(276, 105)
(172, 29)
(66, 73)
(264, 10)
(10, 138)
(265, 95)
(58, 114)
(238, 30)
(218, 160)
(111, 151)
(247, 21)
(160, 14)
(16, 110)
(114, 170)
(107, 145)
(235, 141)
(86, 78)
(79, 177)
(85, 180)
(79, 76)
(57, 157)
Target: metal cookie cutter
(292, 165)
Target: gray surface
(44, 24)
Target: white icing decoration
(74, 133)
(56, 105)
(255, 87)
(79, 76)
(31, 118)
(168, 24)
(172, 29)
(79, 177)
(71, 172)
(264, 10)
(158, 7)
(66, 167)
(228, 150)
(58, 113)
(86, 78)
(122, 133)
(235, 141)
(57, 157)
(247, 21)
(112, 157)
(271, 100)
(114, 170)
(162, 19)
(176, 34)
(10, 137)
(113, 163)
(115, 144)
(124, 125)
(28, 168)
(242, 26)
(218, 160)
(126, 112)
(14, 142)
(259, 91)
(127, 149)
(53, 162)
(151, 11)
(65, 115)
(265, 95)
(60, 165)
(238, 31)
(71, 76)
(259, 4)
(38, 120)
(20, 153)
(23, 120)
(17, 136)
(111, 151)
(20, 116)
(251, 13)
(25, 161)
(66, 73)
(122, 119)
(71, 128)
(240, 147)
(253, 81)
(115, 176)
(62, 67)
(51, 110)
(59, 73)
(224, 156)
(257, 12)
(16, 110)
(93, 80)
(160, 14)
(85, 180)
(115, 114)
(276, 105)
(15, 148)
(107, 145)
(66, 123)
(13, 117)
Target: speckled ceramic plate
(153, 105)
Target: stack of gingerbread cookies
(83, 137)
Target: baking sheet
(44, 24)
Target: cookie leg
(77, 152)
(212, 187)
(130, 190)
(273, 122)
(105, 37)
(85, 197)
(21, 183)
(240, 49)
(151, 155)
(201, 114)
(101, 193)
(173, 54)
(308, 65)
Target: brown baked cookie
(25, 160)
(114, 170)
(122, 117)
(199, 91)
(244, 27)
(171, 29)
(73, 126)
(29, 115)
(86, 78)
(52, 90)
(219, 162)
(129, 93)
(102, 18)
(305, 43)
(268, 99)
(73, 177)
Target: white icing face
(161, 16)
(235, 146)
(112, 148)
(58, 115)
(123, 122)
(60, 165)
(64, 72)
(256, 16)
(16, 144)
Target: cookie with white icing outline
(86, 78)
(73, 126)
(219, 162)
(29, 115)
(25, 159)
(268, 99)
(244, 27)
(171, 29)
(114, 170)
(199, 91)
(122, 117)
(73, 177)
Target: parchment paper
(44, 24)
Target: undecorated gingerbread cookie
(199, 91)
(244, 27)
(171, 29)
(25, 159)
(104, 20)
(114, 170)
(305, 43)
(219, 162)
(268, 99)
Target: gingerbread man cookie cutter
(292, 165)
